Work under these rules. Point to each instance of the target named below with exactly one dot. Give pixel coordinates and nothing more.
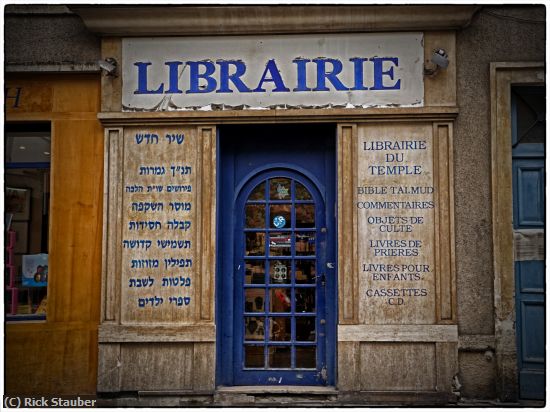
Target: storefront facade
(284, 207)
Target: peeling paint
(170, 106)
(322, 374)
(456, 385)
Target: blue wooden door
(528, 140)
(277, 274)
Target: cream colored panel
(207, 220)
(112, 217)
(108, 377)
(349, 366)
(204, 366)
(162, 366)
(159, 226)
(398, 366)
(347, 235)
(396, 211)
(440, 88)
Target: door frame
(502, 76)
(224, 290)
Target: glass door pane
(280, 287)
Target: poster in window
(35, 270)
(18, 203)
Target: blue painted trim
(217, 282)
(331, 180)
(224, 279)
(227, 152)
(521, 203)
(28, 165)
(18, 318)
(528, 150)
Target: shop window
(27, 149)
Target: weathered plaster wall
(49, 36)
(477, 373)
(489, 38)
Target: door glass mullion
(266, 294)
(266, 338)
(266, 273)
(293, 254)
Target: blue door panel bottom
(276, 277)
(532, 384)
(530, 325)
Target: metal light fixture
(108, 66)
(440, 60)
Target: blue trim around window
(28, 165)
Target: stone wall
(48, 38)
(496, 34)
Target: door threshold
(281, 389)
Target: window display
(26, 196)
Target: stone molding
(224, 20)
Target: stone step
(279, 389)
(280, 395)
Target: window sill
(10, 319)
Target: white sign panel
(348, 70)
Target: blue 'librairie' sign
(351, 70)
